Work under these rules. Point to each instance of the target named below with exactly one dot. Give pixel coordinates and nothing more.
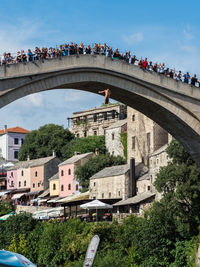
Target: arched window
(54, 186)
(24, 183)
(19, 184)
(62, 173)
(69, 171)
(36, 174)
(76, 187)
(62, 187)
(22, 173)
(69, 186)
(33, 185)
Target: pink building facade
(68, 185)
(12, 179)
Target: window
(69, 186)
(24, 183)
(102, 195)
(119, 193)
(76, 187)
(22, 141)
(133, 117)
(11, 174)
(62, 173)
(148, 142)
(94, 197)
(22, 173)
(149, 188)
(77, 135)
(38, 184)
(95, 117)
(33, 185)
(16, 141)
(109, 194)
(12, 183)
(62, 187)
(85, 134)
(95, 132)
(105, 116)
(94, 184)
(36, 174)
(16, 154)
(69, 171)
(54, 186)
(133, 142)
(19, 184)
(113, 114)
(113, 136)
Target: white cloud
(134, 38)
(35, 100)
(189, 48)
(188, 35)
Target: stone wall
(30, 209)
(113, 142)
(144, 136)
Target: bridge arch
(173, 105)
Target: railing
(95, 49)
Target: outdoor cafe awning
(43, 200)
(17, 196)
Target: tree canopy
(179, 182)
(41, 143)
(84, 145)
(94, 165)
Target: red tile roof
(15, 130)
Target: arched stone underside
(173, 105)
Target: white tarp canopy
(15, 196)
(96, 204)
(3, 193)
(53, 212)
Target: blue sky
(163, 31)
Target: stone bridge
(175, 106)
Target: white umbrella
(96, 204)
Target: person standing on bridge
(107, 93)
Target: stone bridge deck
(172, 104)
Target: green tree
(41, 143)
(5, 207)
(17, 224)
(84, 145)
(18, 245)
(179, 182)
(94, 165)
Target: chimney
(132, 177)
(5, 128)
(54, 153)
(28, 158)
(96, 151)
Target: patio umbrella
(96, 204)
(10, 259)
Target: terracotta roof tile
(16, 129)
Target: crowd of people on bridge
(97, 49)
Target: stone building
(113, 138)
(32, 174)
(96, 121)
(11, 140)
(116, 182)
(68, 185)
(54, 185)
(144, 136)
